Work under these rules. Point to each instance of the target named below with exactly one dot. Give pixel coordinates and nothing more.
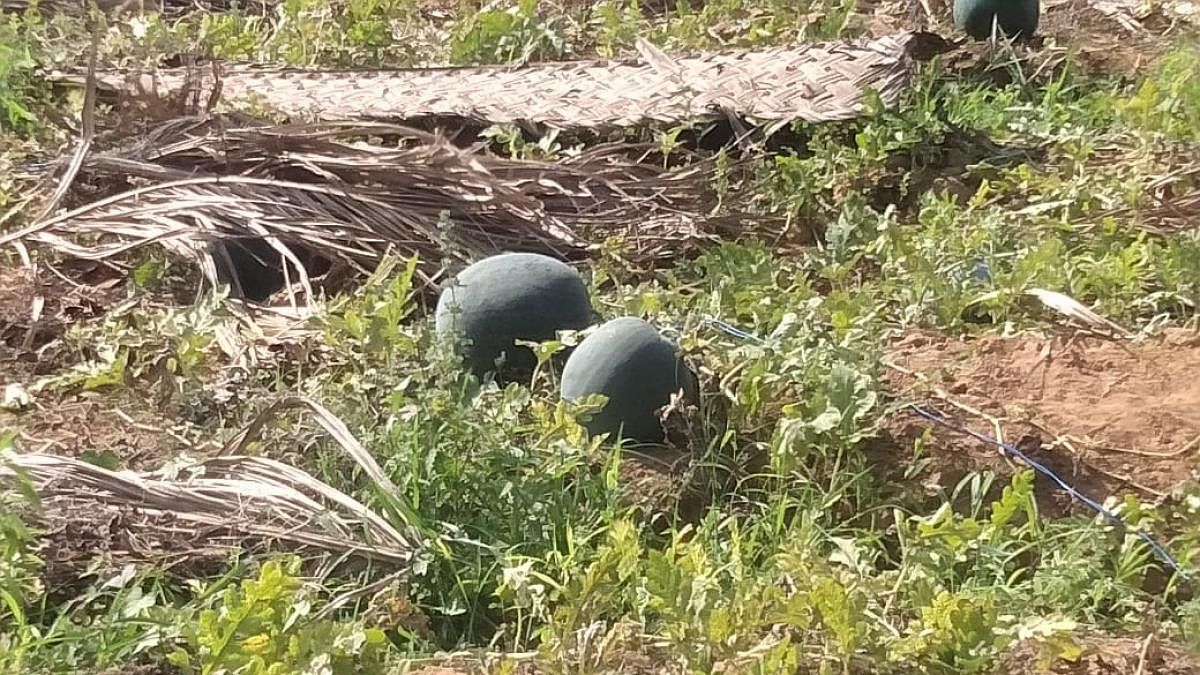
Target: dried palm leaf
(226, 503)
(1073, 309)
(1174, 203)
(306, 190)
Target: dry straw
(313, 188)
(221, 504)
(310, 190)
(1172, 203)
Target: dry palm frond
(307, 192)
(814, 82)
(1174, 203)
(1073, 309)
(221, 504)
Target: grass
(804, 556)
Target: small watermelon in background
(1013, 17)
(510, 297)
(636, 368)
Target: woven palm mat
(171, 8)
(814, 82)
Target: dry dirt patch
(37, 307)
(1115, 37)
(1108, 656)
(1114, 41)
(1110, 417)
(92, 423)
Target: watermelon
(1013, 17)
(630, 363)
(510, 297)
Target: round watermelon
(510, 297)
(630, 363)
(1013, 17)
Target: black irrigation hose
(1011, 451)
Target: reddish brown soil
(1108, 656)
(1110, 417)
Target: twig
(1186, 448)
(358, 592)
(1144, 655)
(941, 393)
(87, 134)
(1064, 441)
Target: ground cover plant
(1013, 248)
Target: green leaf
(179, 658)
(147, 273)
(1016, 497)
(105, 459)
(113, 375)
(827, 421)
(838, 613)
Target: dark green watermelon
(1013, 17)
(509, 297)
(628, 361)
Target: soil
(111, 431)
(1110, 417)
(1107, 656)
(662, 483)
(1104, 43)
(36, 309)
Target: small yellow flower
(256, 644)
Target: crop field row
(831, 338)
